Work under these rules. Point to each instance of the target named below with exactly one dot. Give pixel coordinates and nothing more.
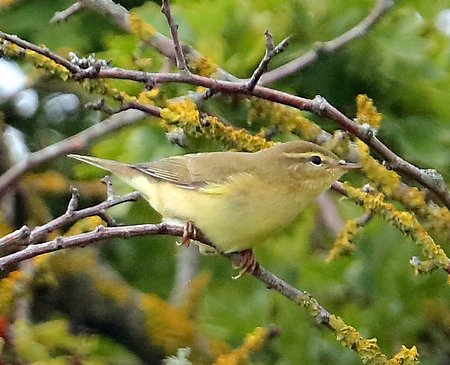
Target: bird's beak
(348, 165)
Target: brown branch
(26, 237)
(179, 55)
(160, 42)
(271, 281)
(271, 52)
(306, 60)
(41, 50)
(101, 233)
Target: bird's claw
(189, 231)
(244, 261)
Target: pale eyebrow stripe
(303, 156)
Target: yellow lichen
(386, 180)
(184, 114)
(366, 112)
(101, 87)
(148, 97)
(406, 223)
(139, 28)
(283, 117)
(348, 336)
(405, 356)
(252, 343)
(343, 245)
(181, 111)
(389, 182)
(202, 66)
(168, 327)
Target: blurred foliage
(403, 64)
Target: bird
(236, 199)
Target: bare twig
(110, 196)
(300, 63)
(271, 51)
(73, 203)
(181, 61)
(17, 237)
(63, 15)
(26, 236)
(41, 50)
(99, 234)
(159, 41)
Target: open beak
(348, 165)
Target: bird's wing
(173, 170)
(189, 171)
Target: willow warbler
(237, 199)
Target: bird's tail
(117, 168)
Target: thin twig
(63, 15)
(26, 236)
(99, 234)
(271, 51)
(181, 61)
(16, 238)
(41, 50)
(300, 63)
(73, 203)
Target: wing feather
(189, 172)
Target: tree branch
(306, 60)
(271, 51)
(181, 61)
(63, 15)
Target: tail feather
(120, 169)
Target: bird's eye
(315, 160)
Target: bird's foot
(189, 232)
(244, 261)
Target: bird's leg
(244, 261)
(189, 231)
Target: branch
(26, 236)
(181, 61)
(157, 40)
(319, 106)
(41, 50)
(61, 16)
(300, 63)
(271, 51)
